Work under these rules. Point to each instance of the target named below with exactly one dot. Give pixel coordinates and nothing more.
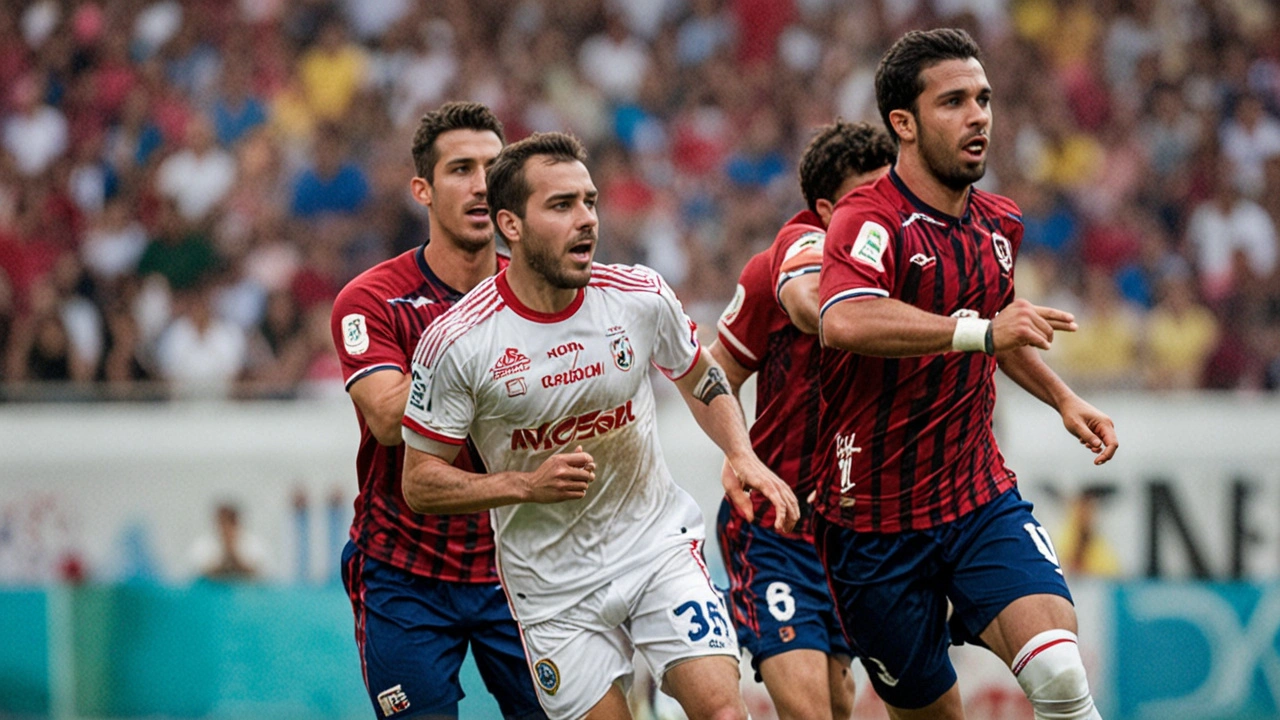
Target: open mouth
(581, 251)
(478, 213)
(976, 147)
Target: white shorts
(667, 610)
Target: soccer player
(916, 505)
(545, 367)
(424, 586)
(778, 590)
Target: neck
(459, 268)
(927, 187)
(535, 292)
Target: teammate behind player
(778, 590)
(917, 506)
(546, 368)
(423, 586)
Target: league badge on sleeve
(355, 337)
(1004, 251)
(870, 245)
(548, 675)
(735, 306)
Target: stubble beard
(943, 164)
(548, 264)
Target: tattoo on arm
(712, 384)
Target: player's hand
(751, 474)
(563, 476)
(1094, 429)
(1022, 323)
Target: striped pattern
(925, 453)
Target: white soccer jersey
(525, 385)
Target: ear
(904, 124)
(824, 208)
(509, 224)
(421, 191)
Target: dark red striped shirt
(907, 442)
(377, 321)
(757, 332)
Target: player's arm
(1094, 429)
(381, 397)
(433, 485)
(799, 299)
(711, 400)
(886, 327)
(734, 373)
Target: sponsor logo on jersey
(548, 675)
(870, 245)
(565, 349)
(923, 260)
(573, 375)
(355, 336)
(735, 306)
(516, 387)
(1004, 251)
(573, 428)
(417, 302)
(392, 701)
(511, 362)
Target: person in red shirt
(916, 506)
(424, 586)
(778, 590)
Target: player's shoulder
(475, 308)
(880, 200)
(385, 280)
(626, 278)
(994, 207)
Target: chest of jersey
(555, 384)
(951, 269)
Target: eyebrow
(571, 195)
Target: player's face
(456, 194)
(558, 233)
(954, 122)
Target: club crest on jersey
(870, 245)
(624, 356)
(392, 701)
(1004, 251)
(548, 675)
(355, 337)
(512, 361)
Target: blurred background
(185, 185)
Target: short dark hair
(508, 186)
(450, 116)
(899, 80)
(838, 151)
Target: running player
(917, 506)
(545, 368)
(778, 591)
(423, 586)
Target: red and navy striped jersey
(907, 442)
(377, 321)
(757, 332)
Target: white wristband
(970, 335)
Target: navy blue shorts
(892, 590)
(412, 633)
(777, 592)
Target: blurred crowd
(186, 184)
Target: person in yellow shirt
(332, 71)
(1181, 334)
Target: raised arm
(717, 411)
(431, 483)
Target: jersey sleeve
(743, 328)
(441, 402)
(796, 251)
(676, 347)
(363, 334)
(859, 256)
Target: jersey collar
(528, 313)
(926, 208)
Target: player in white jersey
(544, 366)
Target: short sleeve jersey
(525, 385)
(907, 442)
(376, 323)
(758, 333)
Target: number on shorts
(700, 625)
(1040, 537)
(782, 606)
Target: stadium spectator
(198, 176)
